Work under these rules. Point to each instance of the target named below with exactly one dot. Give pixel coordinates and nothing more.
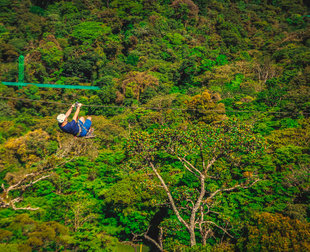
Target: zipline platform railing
(22, 84)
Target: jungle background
(202, 125)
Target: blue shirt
(71, 127)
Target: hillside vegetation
(202, 125)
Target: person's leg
(82, 119)
(81, 122)
(87, 123)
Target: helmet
(61, 118)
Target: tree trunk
(195, 209)
(192, 237)
(204, 236)
(204, 241)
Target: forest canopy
(201, 120)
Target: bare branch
(254, 182)
(33, 182)
(135, 237)
(181, 159)
(24, 208)
(193, 167)
(202, 158)
(19, 185)
(161, 234)
(190, 201)
(26, 181)
(16, 186)
(204, 230)
(209, 165)
(158, 245)
(171, 200)
(5, 203)
(199, 201)
(191, 171)
(230, 189)
(222, 190)
(211, 222)
(201, 219)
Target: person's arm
(70, 110)
(78, 107)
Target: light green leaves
(90, 31)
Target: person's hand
(73, 105)
(79, 105)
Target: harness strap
(80, 128)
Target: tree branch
(16, 186)
(230, 189)
(22, 185)
(24, 208)
(171, 200)
(193, 167)
(209, 165)
(198, 202)
(190, 201)
(191, 171)
(211, 222)
(222, 190)
(158, 245)
(11, 203)
(202, 158)
(33, 182)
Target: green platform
(21, 84)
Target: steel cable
(153, 108)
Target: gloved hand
(79, 105)
(73, 105)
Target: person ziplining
(78, 126)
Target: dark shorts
(85, 127)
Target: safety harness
(80, 129)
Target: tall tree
(215, 158)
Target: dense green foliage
(203, 117)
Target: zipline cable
(153, 108)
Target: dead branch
(11, 204)
(5, 202)
(19, 184)
(26, 181)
